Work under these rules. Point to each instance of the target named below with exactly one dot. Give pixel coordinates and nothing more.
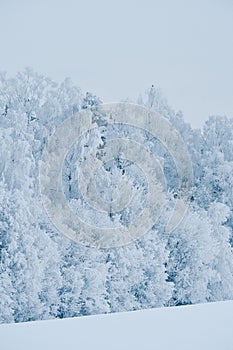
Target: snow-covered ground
(198, 327)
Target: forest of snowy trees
(45, 275)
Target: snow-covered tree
(44, 275)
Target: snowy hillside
(203, 327)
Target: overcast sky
(117, 49)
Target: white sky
(117, 49)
